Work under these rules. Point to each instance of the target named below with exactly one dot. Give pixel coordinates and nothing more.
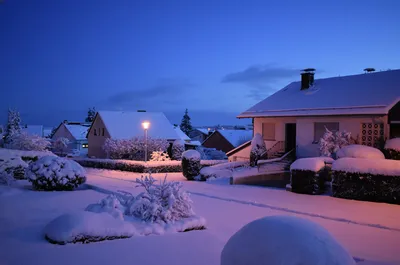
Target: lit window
(85, 145)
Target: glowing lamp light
(146, 125)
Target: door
(290, 136)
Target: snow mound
(55, 173)
(359, 151)
(87, 227)
(311, 163)
(393, 144)
(224, 170)
(191, 155)
(111, 205)
(372, 166)
(284, 240)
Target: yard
(370, 231)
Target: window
(85, 146)
(102, 132)
(268, 131)
(95, 132)
(319, 129)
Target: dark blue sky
(216, 58)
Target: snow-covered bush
(308, 175)
(331, 142)
(159, 156)
(55, 173)
(284, 240)
(367, 179)
(133, 149)
(13, 167)
(257, 149)
(359, 151)
(166, 202)
(60, 145)
(392, 148)
(211, 153)
(86, 227)
(191, 164)
(28, 142)
(111, 205)
(178, 147)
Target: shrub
(392, 148)
(257, 149)
(178, 147)
(13, 168)
(191, 164)
(60, 145)
(159, 156)
(367, 179)
(28, 142)
(55, 173)
(331, 142)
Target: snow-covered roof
(33, 129)
(181, 134)
(78, 131)
(196, 143)
(125, 124)
(372, 93)
(205, 131)
(236, 137)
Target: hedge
(307, 182)
(140, 166)
(366, 187)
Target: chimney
(141, 110)
(369, 70)
(307, 78)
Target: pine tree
(91, 114)
(186, 125)
(13, 125)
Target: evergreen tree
(13, 125)
(91, 114)
(186, 125)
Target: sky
(216, 58)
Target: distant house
(199, 134)
(76, 133)
(226, 140)
(126, 125)
(295, 117)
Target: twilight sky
(216, 58)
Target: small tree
(28, 142)
(13, 125)
(257, 149)
(331, 142)
(178, 147)
(186, 125)
(60, 145)
(91, 114)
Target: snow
(373, 93)
(87, 226)
(6, 154)
(181, 134)
(359, 151)
(236, 137)
(224, 170)
(284, 240)
(78, 131)
(191, 155)
(196, 143)
(393, 144)
(126, 125)
(23, 215)
(310, 163)
(365, 165)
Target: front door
(290, 138)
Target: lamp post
(146, 126)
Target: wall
(242, 155)
(96, 142)
(305, 130)
(279, 128)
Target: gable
(62, 131)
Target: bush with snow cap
(392, 148)
(257, 149)
(191, 164)
(55, 173)
(359, 151)
(284, 240)
(331, 142)
(28, 142)
(13, 167)
(178, 147)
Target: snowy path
(369, 230)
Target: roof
(236, 137)
(371, 93)
(181, 134)
(126, 125)
(202, 130)
(33, 129)
(240, 147)
(78, 131)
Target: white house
(76, 133)
(126, 125)
(367, 105)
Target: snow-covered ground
(369, 231)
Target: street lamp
(146, 126)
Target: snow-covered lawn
(368, 230)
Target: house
(126, 125)
(199, 134)
(295, 117)
(226, 140)
(76, 133)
